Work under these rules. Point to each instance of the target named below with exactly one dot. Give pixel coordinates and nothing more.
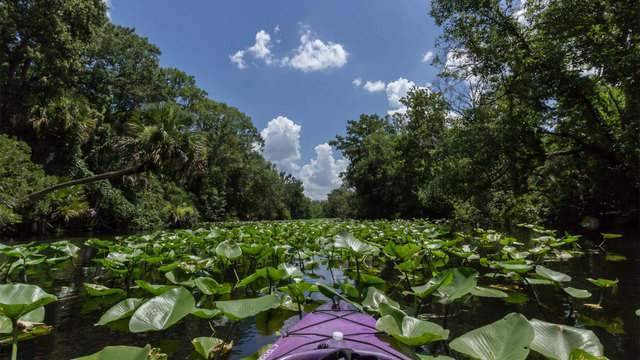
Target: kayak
(333, 332)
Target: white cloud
(276, 29)
(314, 54)
(322, 174)
(108, 5)
(458, 62)
(428, 56)
(282, 147)
(357, 82)
(374, 86)
(261, 48)
(238, 59)
(282, 143)
(396, 90)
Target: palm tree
(158, 137)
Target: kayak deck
(311, 337)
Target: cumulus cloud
(282, 147)
(314, 54)
(322, 174)
(282, 143)
(428, 56)
(374, 86)
(458, 62)
(396, 90)
(108, 5)
(261, 50)
(357, 82)
(238, 59)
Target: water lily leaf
(460, 282)
(430, 357)
(17, 300)
(552, 275)
(244, 308)
(6, 327)
(578, 354)
(536, 281)
(577, 293)
(206, 313)
(228, 249)
(162, 311)
(615, 257)
(375, 297)
(556, 341)
(608, 236)
(208, 286)
(153, 288)
(412, 331)
(101, 290)
(34, 316)
(638, 312)
(515, 267)
(121, 310)
(348, 241)
(210, 347)
(120, 353)
(432, 285)
(505, 339)
(370, 280)
(488, 292)
(603, 283)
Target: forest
(534, 119)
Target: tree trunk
(31, 198)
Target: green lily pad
(412, 331)
(552, 275)
(505, 339)
(162, 311)
(121, 310)
(556, 341)
(244, 308)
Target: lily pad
(412, 331)
(121, 310)
(17, 300)
(551, 274)
(244, 308)
(556, 341)
(577, 293)
(505, 339)
(162, 311)
(101, 290)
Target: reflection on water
(615, 324)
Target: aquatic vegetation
(415, 277)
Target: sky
(299, 69)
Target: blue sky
(299, 61)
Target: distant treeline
(536, 118)
(83, 99)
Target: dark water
(74, 335)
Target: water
(74, 335)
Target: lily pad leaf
(432, 285)
(206, 313)
(121, 310)
(556, 341)
(244, 308)
(228, 249)
(412, 331)
(162, 311)
(505, 339)
(460, 282)
(488, 292)
(348, 241)
(578, 354)
(615, 257)
(153, 288)
(430, 357)
(552, 275)
(603, 283)
(34, 316)
(331, 293)
(120, 353)
(375, 297)
(211, 347)
(17, 300)
(577, 293)
(101, 290)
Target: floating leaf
(228, 249)
(153, 288)
(412, 331)
(609, 236)
(375, 297)
(557, 341)
(211, 347)
(488, 292)
(603, 283)
(101, 290)
(17, 300)
(120, 353)
(244, 308)
(162, 311)
(505, 339)
(459, 283)
(577, 293)
(615, 257)
(347, 241)
(121, 310)
(552, 275)
(578, 354)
